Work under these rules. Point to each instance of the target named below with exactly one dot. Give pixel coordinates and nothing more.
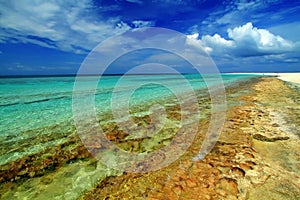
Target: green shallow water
(36, 128)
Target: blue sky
(54, 37)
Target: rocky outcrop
(246, 163)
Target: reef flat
(256, 157)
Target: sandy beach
(290, 77)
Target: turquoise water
(30, 103)
(36, 127)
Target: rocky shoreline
(256, 157)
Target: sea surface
(36, 119)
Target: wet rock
(275, 125)
(223, 170)
(177, 190)
(191, 183)
(228, 185)
(248, 155)
(245, 166)
(31, 174)
(269, 139)
(238, 171)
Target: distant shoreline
(290, 77)
(293, 77)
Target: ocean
(40, 153)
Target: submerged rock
(264, 138)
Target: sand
(290, 77)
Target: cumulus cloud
(217, 45)
(66, 25)
(262, 40)
(246, 41)
(236, 12)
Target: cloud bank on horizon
(53, 37)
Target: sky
(54, 37)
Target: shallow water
(40, 150)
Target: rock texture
(256, 156)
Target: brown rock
(248, 155)
(275, 125)
(178, 190)
(191, 183)
(229, 185)
(238, 171)
(245, 166)
(269, 139)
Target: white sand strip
(290, 77)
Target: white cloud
(217, 45)
(144, 46)
(141, 23)
(262, 39)
(67, 25)
(246, 41)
